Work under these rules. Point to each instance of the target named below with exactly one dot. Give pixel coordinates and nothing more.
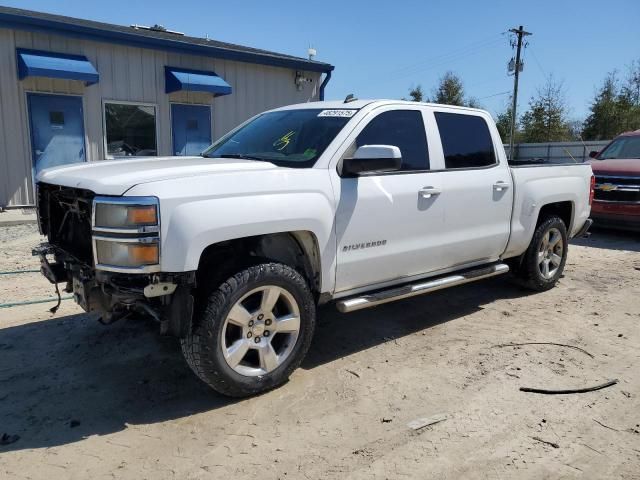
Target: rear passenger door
(477, 190)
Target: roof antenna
(350, 98)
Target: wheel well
(564, 210)
(298, 249)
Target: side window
(403, 129)
(466, 140)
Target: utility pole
(520, 33)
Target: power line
(535, 58)
(443, 59)
(447, 60)
(455, 51)
(495, 95)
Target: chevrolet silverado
(357, 203)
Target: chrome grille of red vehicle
(617, 189)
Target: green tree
(615, 107)
(631, 87)
(606, 118)
(416, 94)
(629, 98)
(575, 130)
(546, 119)
(450, 90)
(503, 123)
(473, 102)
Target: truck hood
(115, 177)
(620, 166)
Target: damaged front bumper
(166, 297)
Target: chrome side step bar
(426, 286)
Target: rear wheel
(543, 262)
(254, 332)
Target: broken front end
(106, 250)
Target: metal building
(74, 90)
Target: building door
(57, 130)
(191, 128)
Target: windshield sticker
(283, 141)
(337, 113)
(309, 153)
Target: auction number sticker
(337, 113)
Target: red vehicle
(617, 187)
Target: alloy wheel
(550, 252)
(260, 331)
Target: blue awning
(36, 63)
(177, 79)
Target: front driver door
(389, 225)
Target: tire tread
(527, 272)
(197, 347)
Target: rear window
(466, 140)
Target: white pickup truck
(357, 203)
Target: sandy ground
(89, 401)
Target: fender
(534, 191)
(193, 221)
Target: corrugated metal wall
(127, 74)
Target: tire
(548, 246)
(237, 318)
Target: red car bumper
(616, 214)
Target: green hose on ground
(16, 272)
(32, 302)
(29, 302)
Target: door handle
(428, 192)
(500, 186)
(39, 152)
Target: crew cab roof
(358, 104)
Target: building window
(56, 119)
(466, 140)
(130, 130)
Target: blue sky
(381, 49)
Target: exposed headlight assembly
(126, 234)
(132, 253)
(135, 216)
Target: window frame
(367, 119)
(104, 127)
(480, 115)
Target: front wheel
(254, 332)
(543, 262)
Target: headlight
(126, 234)
(121, 215)
(110, 252)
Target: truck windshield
(623, 147)
(290, 138)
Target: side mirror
(593, 153)
(372, 159)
